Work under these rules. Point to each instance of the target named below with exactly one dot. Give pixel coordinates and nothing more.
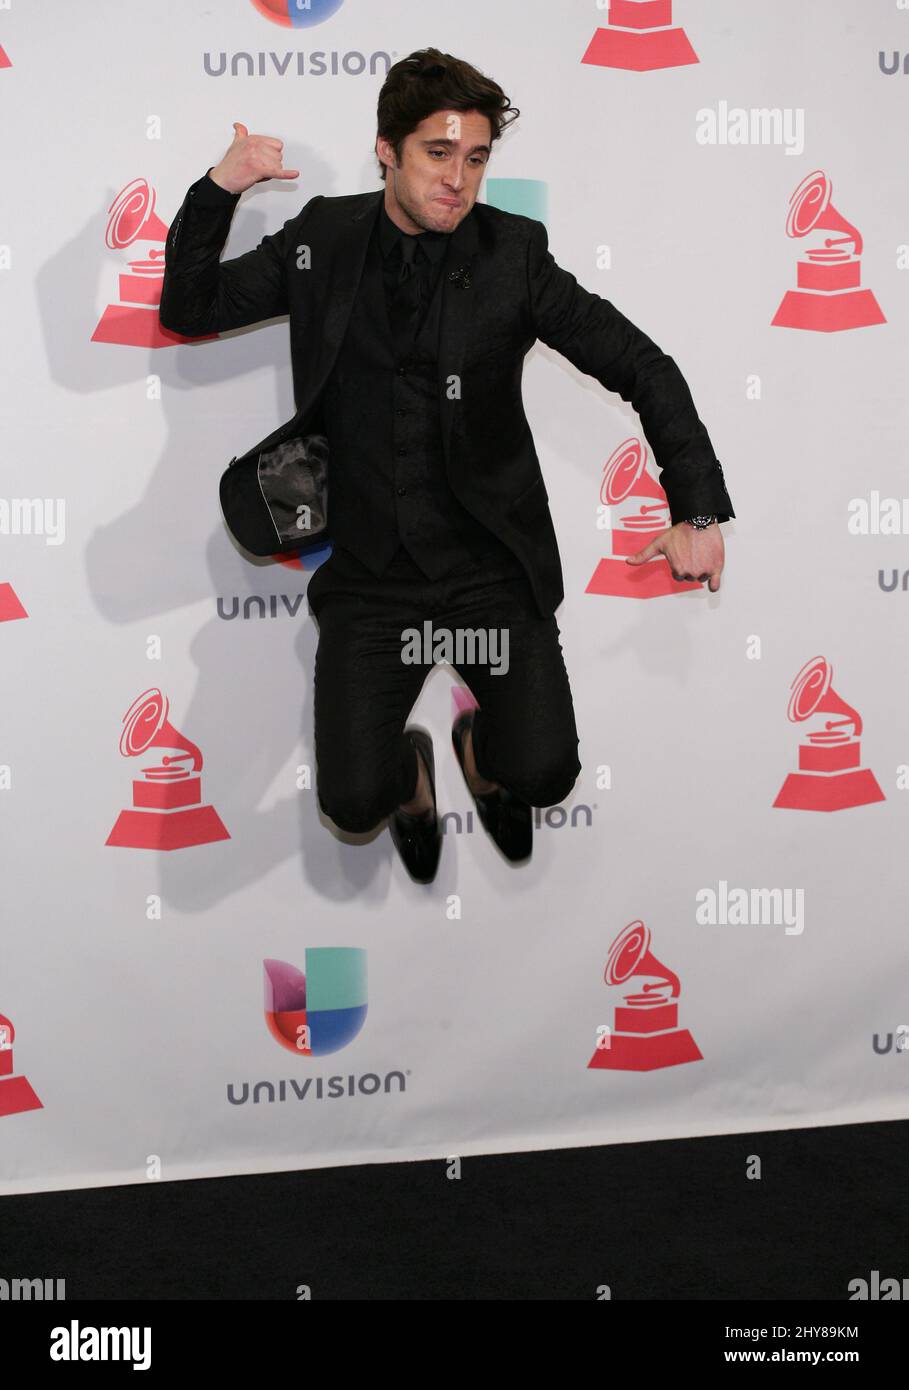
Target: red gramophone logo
(4, 61)
(10, 606)
(625, 479)
(830, 777)
(16, 1093)
(829, 298)
(166, 812)
(134, 321)
(647, 1035)
(639, 38)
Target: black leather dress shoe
(418, 839)
(503, 815)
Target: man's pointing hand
(691, 553)
(250, 159)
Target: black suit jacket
(513, 293)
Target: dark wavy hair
(427, 81)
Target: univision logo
(315, 1088)
(319, 63)
(902, 1041)
(319, 1011)
(550, 818)
(313, 1013)
(258, 606)
(298, 14)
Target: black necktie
(408, 289)
(408, 246)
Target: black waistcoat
(387, 485)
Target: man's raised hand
(250, 159)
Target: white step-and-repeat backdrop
(710, 936)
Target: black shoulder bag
(275, 496)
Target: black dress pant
(524, 734)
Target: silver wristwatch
(700, 522)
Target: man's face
(442, 164)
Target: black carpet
(666, 1220)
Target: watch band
(700, 522)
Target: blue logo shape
(298, 14)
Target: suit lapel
(332, 303)
(348, 257)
